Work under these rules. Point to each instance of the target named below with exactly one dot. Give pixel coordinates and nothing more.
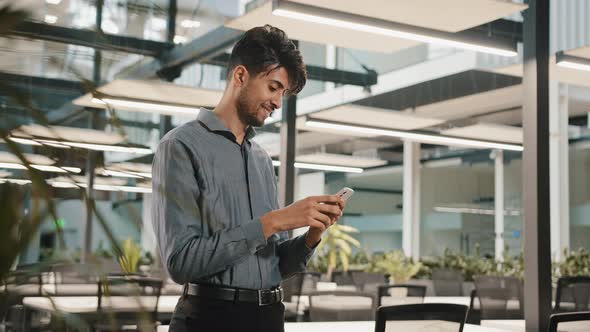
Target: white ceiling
(82, 179)
(68, 134)
(340, 160)
(375, 117)
(319, 33)
(447, 15)
(130, 167)
(561, 74)
(36, 159)
(475, 104)
(486, 131)
(154, 91)
(583, 52)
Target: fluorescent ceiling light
(96, 147)
(345, 20)
(319, 167)
(413, 136)
(53, 2)
(51, 19)
(108, 187)
(16, 181)
(190, 24)
(148, 107)
(62, 184)
(572, 62)
(178, 39)
(44, 168)
(108, 172)
(24, 141)
(476, 210)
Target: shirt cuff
(254, 235)
(304, 248)
(308, 247)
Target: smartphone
(345, 193)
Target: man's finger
(329, 209)
(323, 218)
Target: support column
(287, 155)
(86, 238)
(499, 204)
(559, 168)
(411, 200)
(537, 227)
(330, 64)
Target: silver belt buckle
(260, 298)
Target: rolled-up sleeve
(188, 253)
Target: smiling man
(215, 204)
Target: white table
(518, 325)
(88, 304)
(350, 327)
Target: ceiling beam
(198, 50)
(319, 73)
(90, 38)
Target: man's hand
(314, 234)
(316, 212)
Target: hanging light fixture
(374, 25)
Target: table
(88, 304)
(363, 326)
(518, 325)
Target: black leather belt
(260, 296)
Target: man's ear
(240, 76)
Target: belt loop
(184, 290)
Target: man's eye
(272, 89)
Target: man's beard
(247, 111)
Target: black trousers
(194, 313)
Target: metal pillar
(166, 120)
(287, 155)
(499, 204)
(559, 168)
(411, 200)
(91, 156)
(537, 254)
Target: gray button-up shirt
(209, 193)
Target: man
(215, 211)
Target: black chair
(474, 314)
(26, 281)
(342, 278)
(72, 279)
(581, 319)
(341, 306)
(368, 281)
(136, 288)
(297, 285)
(499, 297)
(572, 294)
(413, 291)
(447, 282)
(453, 313)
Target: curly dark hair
(266, 48)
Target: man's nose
(277, 102)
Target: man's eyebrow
(281, 86)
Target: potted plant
(395, 264)
(335, 249)
(131, 255)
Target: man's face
(261, 95)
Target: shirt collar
(212, 122)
